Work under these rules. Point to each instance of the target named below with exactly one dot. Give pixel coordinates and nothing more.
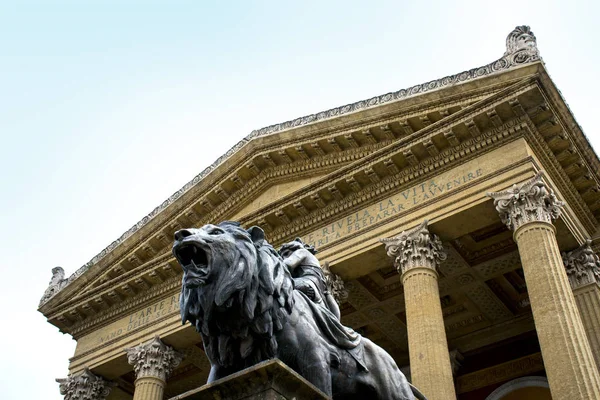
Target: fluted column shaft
(152, 362)
(588, 302)
(565, 349)
(583, 270)
(416, 254)
(529, 210)
(147, 388)
(430, 366)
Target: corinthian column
(152, 362)
(583, 270)
(416, 254)
(528, 210)
(84, 386)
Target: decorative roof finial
(56, 284)
(521, 46)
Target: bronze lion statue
(240, 296)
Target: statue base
(268, 380)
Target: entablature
(363, 135)
(517, 111)
(361, 152)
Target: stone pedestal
(269, 380)
(529, 210)
(416, 254)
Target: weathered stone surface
(466, 139)
(56, 284)
(528, 210)
(582, 265)
(269, 380)
(415, 248)
(416, 254)
(154, 359)
(521, 48)
(583, 270)
(533, 201)
(152, 362)
(84, 386)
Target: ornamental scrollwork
(582, 265)
(334, 284)
(153, 359)
(415, 248)
(57, 282)
(85, 386)
(521, 46)
(533, 201)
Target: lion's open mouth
(194, 261)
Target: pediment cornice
(517, 111)
(518, 53)
(326, 146)
(363, 154)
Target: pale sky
(108, 107)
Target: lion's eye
(215, 232)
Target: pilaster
(583, 270)
(416, 254)
(529, 210)
(152, 362)
(84, 386)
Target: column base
(269, 380)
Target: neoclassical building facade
(462, 215)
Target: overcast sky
(108, 107)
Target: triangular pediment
(268, 193)
(284, 174)
(274, 192)
(260, 173)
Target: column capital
(582, 265)
(84, 386)
(532, 201)
(153, 359)
(415, 248)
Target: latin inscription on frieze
(389, 207)
(141, 318)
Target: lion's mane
(246, 300)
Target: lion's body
(278, 321)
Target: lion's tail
(417, 392)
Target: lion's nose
(183, 233)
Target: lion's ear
(257, 235)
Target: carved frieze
(348, 202)
(582, 265)
(533, 201)
(85, 386)
(153, 359)
(416, 248)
